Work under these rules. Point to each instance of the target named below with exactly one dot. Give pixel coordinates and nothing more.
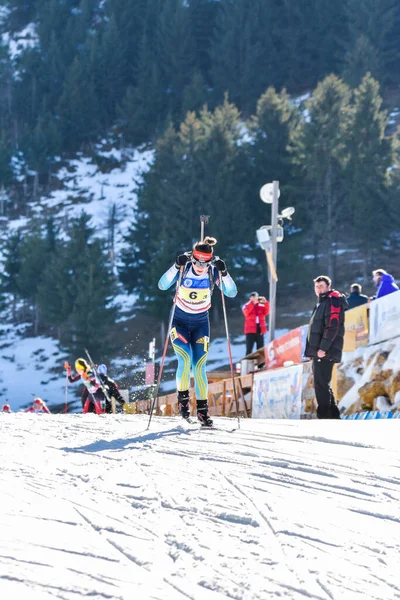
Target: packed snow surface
(101, 507)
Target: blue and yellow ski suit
(190, 332)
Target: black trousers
(322, 372)
(254, 338)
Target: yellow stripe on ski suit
(200, 380)
(183, 378)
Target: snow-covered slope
(100, 507)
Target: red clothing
(40, 409)
(254, 314)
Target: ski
(191, 421)
(106, 396)
(217, 429)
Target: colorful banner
(372, 414)
(277, 393)
(149, 374)
(303, 333)
(356, 328)
(287, 348)
(384, 318)
(308, 400)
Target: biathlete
(190, 330)
(38, 406)
(93, 399)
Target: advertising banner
(384, 318)
(286, 348)
(308, 400)
(149, 374)
(356, 328)
(277, 393)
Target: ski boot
(202, 413)
(183, 404)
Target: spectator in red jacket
(255, 311)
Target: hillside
(122, 122)
(277, 509)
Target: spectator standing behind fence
(356, 298)
(325, 343)
(255, 312)
(384, 283)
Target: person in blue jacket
(384, 282)
(190, 329)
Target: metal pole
(203, 221)
(274, 248)
(66, 395)
(229, 352)
(171, 318)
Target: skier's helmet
(102, 370)
(38, 402)
(6, 408)
(203, 252)
(81, 365)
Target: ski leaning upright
(107, 397)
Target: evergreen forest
(228, 95)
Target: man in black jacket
(325, 343)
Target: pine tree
(33, 257)
(309, 37)
(53, 72)
(130, 18)
(41, 145)
(6, 173)
(319, 150)
(373, 41)
(371, 155)
(174, 52)
(11, 267)
(241, 52)
(78, 106)
(142, 110)
(202, 15)
(201, 169)
(195, 94)
(77, 289)
(270, 130)
(110, 69)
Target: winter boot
(202, 413)
(183, 404)
(335, 412)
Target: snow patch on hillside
(18, 42)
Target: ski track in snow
(103, 507)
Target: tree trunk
(36, 319)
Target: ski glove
(66, 366)
(181, 260)
(220, 265)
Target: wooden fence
(221, 399)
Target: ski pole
(229, 351)
(66, 395)
(155, 396)
(203, 221)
